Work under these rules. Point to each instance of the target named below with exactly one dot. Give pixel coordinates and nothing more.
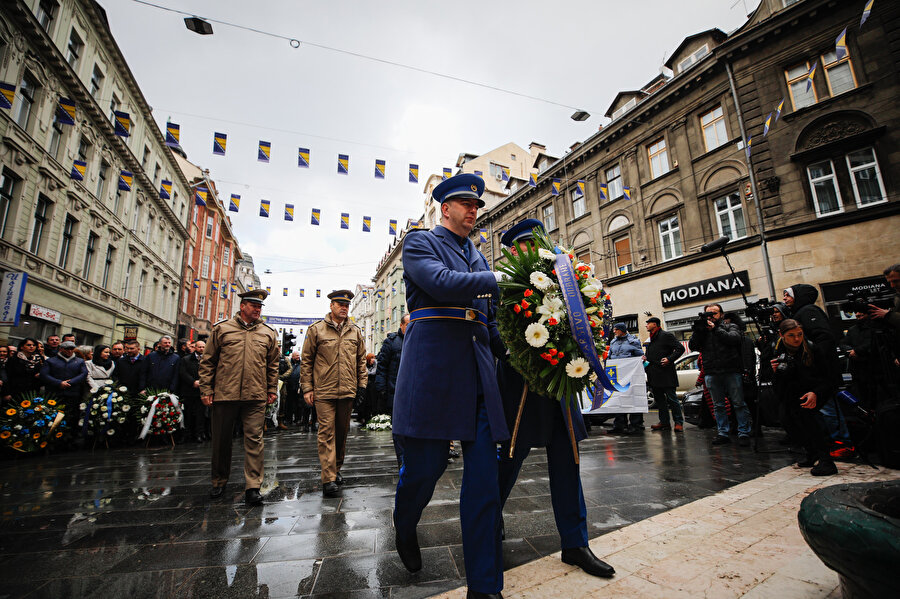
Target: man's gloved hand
(360, 395)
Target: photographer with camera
(719, 343)
(891, 315)
(804, 386)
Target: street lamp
(198, 25)
(580, 115)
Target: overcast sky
(254, 87)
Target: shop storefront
(683, 304)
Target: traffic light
(288, 341)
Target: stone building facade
(102, 249)
(671, 172)
(210, 279)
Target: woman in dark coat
(24, 368)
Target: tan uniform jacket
(240, 361)
(332, 363)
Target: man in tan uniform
(238, 377)
(332, 372)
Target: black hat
(254, 295)
(341, 295)
(654, 320)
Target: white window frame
(661, 156)
(41, 219)
(101, 179)
(141, 280)
(210, 226)
(126, 292)
(693, 58)
(97, 78)
(715, 126)
(800, 80)
(729, 213)
(834, 183)
(854, 170)
(204, 268)
(74, 48)
(89, 250)
(624, 108)
(107, 265)
(579, 204)
(548, 216)
(8, 184)
(615, 182)
(835, 64)
(666, 238)
(27, 93)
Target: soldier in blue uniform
(544, 424)
(446, 387)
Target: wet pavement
(138, 522)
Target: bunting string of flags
(173, 135)
(289, 212)
(200, 195)
(234, 203)
(265, 150)
(165, 190)
(65, 113)
(122, 124)
(126, 179)
(264, 208)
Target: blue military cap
(341, 295)
(459, 187)
(522, 230)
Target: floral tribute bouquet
(31, 422)
(381, 422)
(553, 318)
(106, 412)
(164, 413)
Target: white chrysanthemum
(577, 368)
(82, 407)
(536, 334)
(546, 254)
(551, 307)
(126, 407)
(123, 389)
(541, 281)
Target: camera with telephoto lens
(860, 302)
(761, 309)
(786, 362)
(702, 319)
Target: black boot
(587, 561)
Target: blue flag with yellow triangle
(65, 113)
(219, 141)
(303, 157)
(413, 173)
(392, 227)
(234, 204)
(126, 178)
(447, 173)
(345, 220)
(7, 94)
(532, 180)
(380, 166)
(315, 217)
(343, 164)
(289, 212)
(200, 195)
(165, 190)
(265, 150)
(603, 188)
(579, 188)
(367, 224)
(173, 135)
(555, 185)
(123, 123)
(264, 208)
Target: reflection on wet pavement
(138, 523)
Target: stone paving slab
(741, 542)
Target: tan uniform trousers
(334, 424)
(252, 415)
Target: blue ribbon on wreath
(578, 320)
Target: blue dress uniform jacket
(437, 389)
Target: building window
(838, 73)
(823, 184)
(623, 255)
(76, 46)
(84, 149)
(140, 295)
(8, 183)
(201, 307)
(693, 58)
(659, 158)
(101, 180)
(136, 221)
(625, 108)
(146, 159)
(226, 254)
(614, 187)
(496, 171)
(28, 89)
(866, 177)
(56, 135)
(148, 235)
(107, 265)
(126, 285)
(117, 202)
(730, 216)
(713, 125)
(797, 84)
(40, 221)
(210, 221)
(66, 243)
(156, 174)
(579, 205)
(96, 81)
(670, 238)
(46, 12)
(204, 269)
(89, 256)
(549, 217)
(114, 105)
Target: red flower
(525, 303)
(593, 300)
(552, 351)
(527, 313)
(554, 362)
(561, 355)
(528, 293)
(551, 321)
(517, 308)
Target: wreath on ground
(380, 422)
(535, 321)
(31, 422)
(164, 414)
(106, 412)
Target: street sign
(12, 293)
(131, 331)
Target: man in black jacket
(388, 363)
(130, 369)
(189, 393)
(162, 366)
(720, 345)
(661, 351)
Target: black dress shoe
(216, 492)
(476, 595)
(253, 497)
(339, 479)
(587, 561)
(408, 550)
(331, 489)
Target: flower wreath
(105, 412)
(164, 414)
(31, 422)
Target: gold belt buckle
(470, 314)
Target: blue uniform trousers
(424, 461)
(566, 495)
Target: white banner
(632, 401)
(12, 292)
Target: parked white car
(688, 370)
